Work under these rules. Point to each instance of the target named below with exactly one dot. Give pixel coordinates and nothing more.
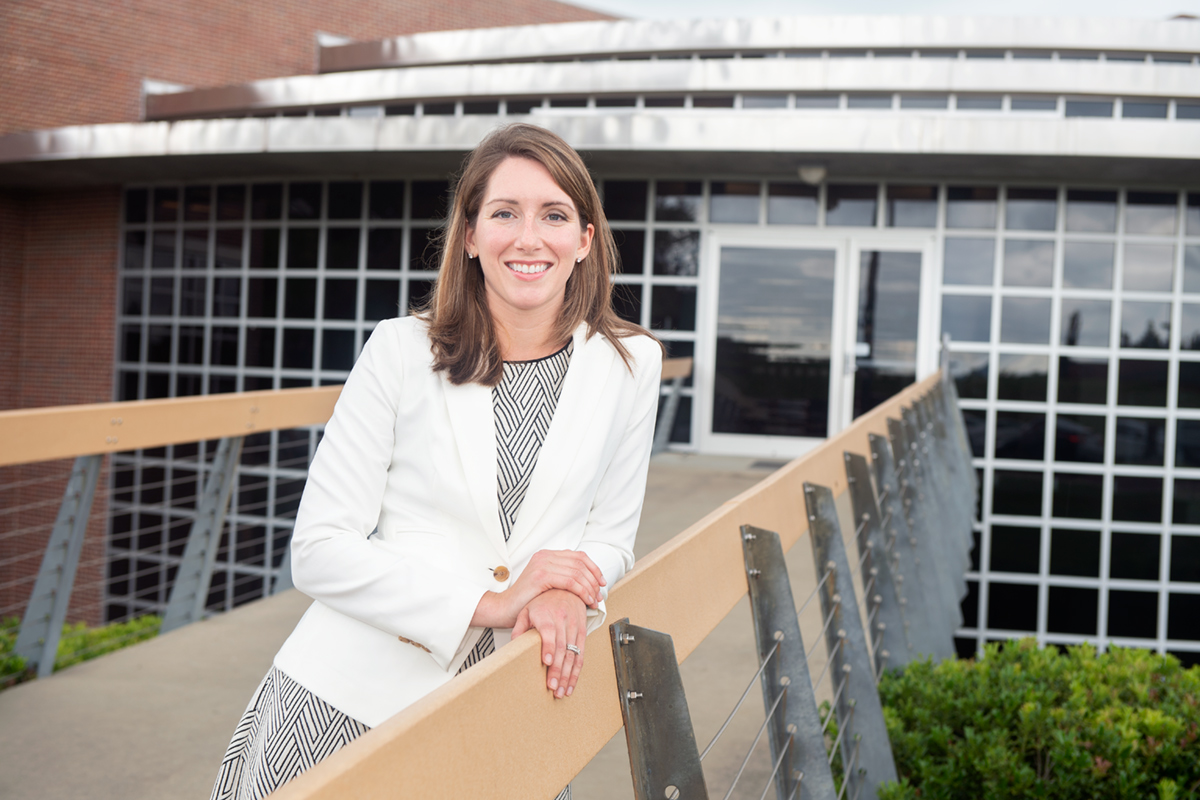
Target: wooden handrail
(495, 731)
(44, 434)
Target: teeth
(529, 269)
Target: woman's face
(527, 237)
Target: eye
(503, 214)
(557, 216)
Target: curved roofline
(591, 39)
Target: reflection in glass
(774, 329)
(1151, 110)
(1083, 380)
(1091, 211)
(1020, 435)
(971, 207)
(673, 308)
(1025, 320)
(912, 206)
(1152, 213)
(166, 204)
(1022, 377)
(968, 262)
(676, 252)
(197, 203)
(625, 200)
(1192, 215)
(1079, 496)
(678, 201)
(1189, 384)
(1017, 493)
(1137, 499)
(889, 291)
(1134, 556)
(1015, 549)
(791, 204)
(967, 318)
(1079, 437)
(1085, 322)
(1088, 265)
(733, 202)
(1140, 441)
(852, 205)
(1088, 108)
(1187, 443)
(1031, 209)
(1142, 383)
(1191, 268)
(1149, 267)
(1075, 552)
(1145, 325)
(975, 421)
(979, 102)
(1028, 262)
(970, 371)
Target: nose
(528, 238)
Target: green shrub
(1028, 722)
(78, 643)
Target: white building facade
(805, 205)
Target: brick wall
(73, 62)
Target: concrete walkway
(152, 721)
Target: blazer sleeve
(616, 509)
(334, 558)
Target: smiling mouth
(528, 269)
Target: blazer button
(500, 573)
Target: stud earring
(579, 260)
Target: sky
(676, 9)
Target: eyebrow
(547, 204)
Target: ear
(585, 242)
(470, 241)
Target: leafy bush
(1024, 722)
(78, 643)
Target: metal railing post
(890, 646)
(663, 756)
(190, 591)
(866, 752)
(777, 632)
(662, 435)
(46, 612)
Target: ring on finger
(574, 649)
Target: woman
(482, 474)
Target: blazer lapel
(471, 417)
(589, 370)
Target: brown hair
(461, 329)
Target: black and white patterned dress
(286, 729)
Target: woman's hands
(566, 570)
(560, 618)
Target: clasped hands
(551, 595)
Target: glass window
(166, 204)
(1151, 213)
(1191, 268)
(1034, 104)
(266, 201)
(340, 299)
(1144, 109)
(673, 308)
(1189, 384)
(967, 318)
(975, 421)
(1142, 383)
(231, 203)
(1088, 265)
(162, 253)
(1025, 320)
(979, 102)
(1140, 440)
(1020, 435)
(261, 296)
(419, 293)
(387, 200)
(197, 203)
(869, 101)
(1072, 610)
(382, 300)
(1091, 211)
(912, 206)
(1078, 496)
(626, 200)
(345, 199)
(131, 294)
(298, 348)
(1017, 493)
(1132, 614)
(713, 101)
(337, 350)
(1183, 621)
(924, 101)
(423, 250)
(1083, 380)
(627, 301)
(1149, 267)
(631, 248)
(733, 202)
(264, 248)
(1085, 322)
(676, 252)
(224, 347)
(162, 297)
(341, 248)
(968, 262)
(300, 298)
(1012, 607)
(1015, 549)
(1185, 558)
(304, 201)
(764, 101)
(131, 342)
(677, 201)
(1187, 502)
(430, 198)
(1031, 209)
(1137, 499)
(1187, 443)
(1022, 377)
(851, 205)
(191, 344)
(302, 248)
(1134, 556)
(664, 101)
(135, 249)
(971, 207)
(192, 297)
(137, 203)
(229, 250)
(383, 249)
(1028, 262)
(791, 204)
(1080, 438)
(158, 344)
(970, 371)
(1089, 108)
(1145, 325)
(1192, 212)
(522, 107)
(438, 109)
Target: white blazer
(398, 533)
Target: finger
(556, 676)
(548, 648)
(577, 665)
(522, 623)
(595, 570)
(568, 669)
